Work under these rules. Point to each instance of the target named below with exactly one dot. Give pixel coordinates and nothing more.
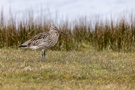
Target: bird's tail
(23, 46)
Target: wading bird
(43, 41)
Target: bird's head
(54, 28)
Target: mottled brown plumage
(43, 40)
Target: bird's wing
(39, 38)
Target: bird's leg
(43, 55)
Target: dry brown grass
(109, 34)
(73, 70)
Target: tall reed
(117, 36)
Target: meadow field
(87, 69)
(93, 55)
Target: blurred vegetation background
(116, 35)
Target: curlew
(43, 41)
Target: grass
(115, 34)
(95, 54)
(67, 70)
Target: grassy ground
(73, 70)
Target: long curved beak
(61, 31)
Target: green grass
(86, 69)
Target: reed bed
(82, 33)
